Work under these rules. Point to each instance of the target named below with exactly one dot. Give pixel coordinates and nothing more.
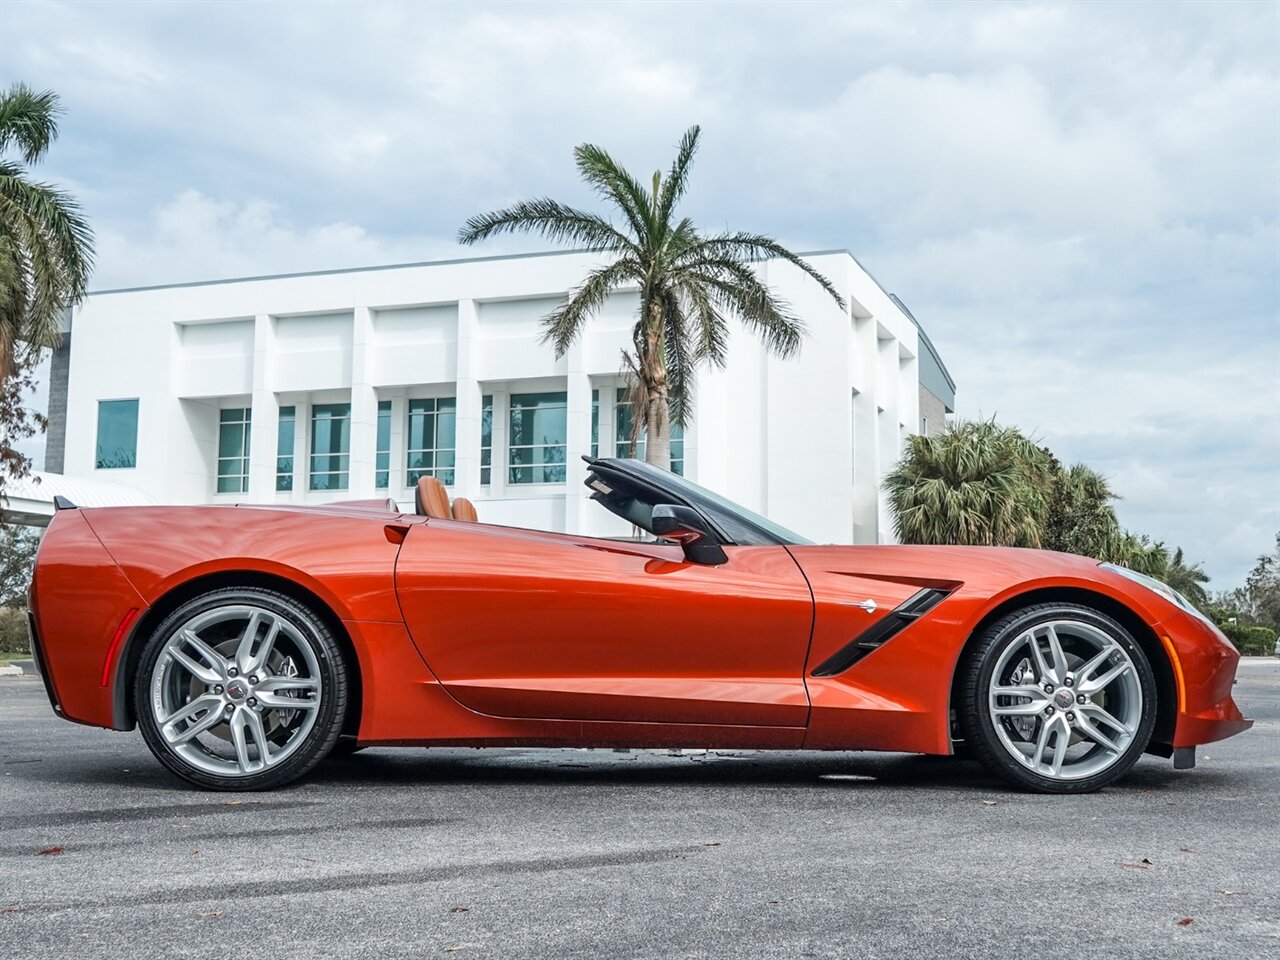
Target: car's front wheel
(1057, 698)
(241, 689)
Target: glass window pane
(117, 445)
(284, 448)
(486, 440)
(538, 425)
(234, 430)
(431, 440)
(384, 425)
(284, 435)
(330, 446)
(382, 460)
(595, 423)
(446, 426)
(230, 439)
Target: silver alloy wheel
(1065, 699)
(235, 690)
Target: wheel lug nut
(1071, 717)
(218, 688)
(230, 710)
(1048, 688)
(233, 672)
(1082, 699)
(1048, 711)
(253, 679)
(1069, 681)
(253, 702)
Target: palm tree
(46, 247)
(1137, 552)
(975, 483)
(688, 282)
(1081, 519)
(1187, 579)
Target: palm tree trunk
(657, 447)
(657, 413)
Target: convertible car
(250, 642)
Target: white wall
(804, 440)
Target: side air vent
(880, 632)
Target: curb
(19, 668)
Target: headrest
(464, 509)
(431, 500)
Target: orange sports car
(248, 643)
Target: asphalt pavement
(594, 854)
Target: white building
(347, 384)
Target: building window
(117, 434)
(595, 423)
(233, 450)
(382, 478)
(432, 440)
(538, 431)
(486, 441)
(622, 436)
(330, 446)
(284, 448)
(924, 426)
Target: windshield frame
(733, 523)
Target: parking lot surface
(566, 853)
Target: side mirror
(685, 526)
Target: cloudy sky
(1080, 201)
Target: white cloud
(194, 237)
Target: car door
(519, 623)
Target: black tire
(974, 703)
(332, 677)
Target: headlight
(1157, 586)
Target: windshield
(743, 526)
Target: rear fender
(80, 600)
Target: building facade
(351, 384)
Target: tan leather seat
(430, 499)
(464, 509)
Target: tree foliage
(1257, 601)
(46, 255)
(975, 483)
(1080, 516)
(18, 547)
(689, 282)
(981, 483)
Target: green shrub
(13, 630)
(1250, 641)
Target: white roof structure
(29, 500)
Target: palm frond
(710, 335)
(754, 247)
(28, 120)
(556, 221)
(563, 325)
(673, 188)
(679, 357)
(614, 183)
(55, 245)
(736, 288)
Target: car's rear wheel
(241, 689)
(1057, 698)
